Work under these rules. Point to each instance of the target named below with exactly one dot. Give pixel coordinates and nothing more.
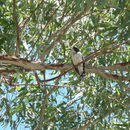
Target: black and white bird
(77, 57)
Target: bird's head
(75, 49)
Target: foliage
(46, 30)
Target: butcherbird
(77, 57)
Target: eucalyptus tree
(39, 87)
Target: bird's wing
(76, 69)
(83, 65)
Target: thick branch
(35, 65)
(31, 65)
(4, 71)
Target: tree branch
(31, 65)
(4, 71)
(40, 35)
(113, 67)
(112, 76)
(88, 123)
(119, 52)
(17, 29)
(54, 85)
(42, 111)
(36, 65)
(60, 33)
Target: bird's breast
(77, 58)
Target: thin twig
(32, 84)
(119, 52)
